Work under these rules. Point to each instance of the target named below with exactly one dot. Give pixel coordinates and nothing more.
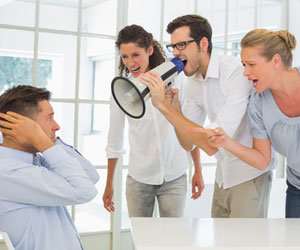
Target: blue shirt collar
(16, 154)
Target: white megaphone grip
(130, 95)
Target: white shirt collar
(213, 69)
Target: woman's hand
(217, 138)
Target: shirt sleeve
(62, 182)
(192, 110)
(255, 117)
(180, 82)
(237, 90)
(114, 148)
(86, 164)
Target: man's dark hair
(23, 99)
(199, 28)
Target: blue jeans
(292, 204)
(170, 196)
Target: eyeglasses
(180, 45)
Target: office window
(99, 17)
(91, 217)
(63, 14)
(215, 12)
(16, 68)
(17, 13)
(63, 47)
(18, 71)
(97, 68)
(171, 12)
(141, 12)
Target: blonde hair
(279, 42)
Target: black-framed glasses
(180, 45)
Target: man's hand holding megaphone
(188, 132)
(160, 94)
(131, 94)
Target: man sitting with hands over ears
(39, 174)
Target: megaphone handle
(169, 73)
(145, 92)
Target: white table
(221, 234)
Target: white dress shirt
(223, 96)
(155, 153)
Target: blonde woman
(273, 110)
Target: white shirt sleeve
(193, 111)
(237, 91)
(114, 148)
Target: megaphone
(131, 95)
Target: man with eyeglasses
(218, 90)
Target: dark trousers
(292, 204)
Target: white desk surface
(221, 234)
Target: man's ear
(204, 44)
